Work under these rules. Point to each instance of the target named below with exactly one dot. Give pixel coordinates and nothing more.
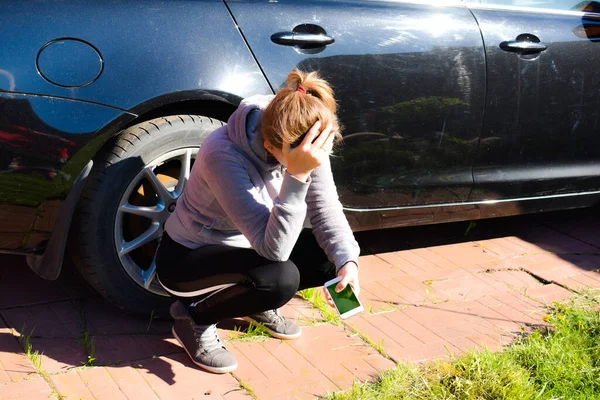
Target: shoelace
(275, 315)
(207, 338)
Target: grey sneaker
(276, 324)
(201, 342)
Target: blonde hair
(306, 100)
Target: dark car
(451, 111)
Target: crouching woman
(236, 245)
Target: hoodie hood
(243, 130)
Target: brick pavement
(429, 292)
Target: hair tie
(301, 89)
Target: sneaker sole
(277, 335)
(216, 370)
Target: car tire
(114, 208)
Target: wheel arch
(48, 263)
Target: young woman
(235, 245)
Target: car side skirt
(369, 219)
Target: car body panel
(45, 143)
(148, 47)
(410, 84)
(410, 79)
(58, 105)
(541, 134)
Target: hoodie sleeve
(272, 233)
(327, 218)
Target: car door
(409, 79)
(541, 134)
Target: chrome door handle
(524, 44)
(301, 39)
(522, 47)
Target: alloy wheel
(144, 208)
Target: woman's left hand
(349, 274)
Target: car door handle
(524, 44)
(301, 39)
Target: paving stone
(373, 268)
(463, 254)
(34, 388)
(327, 347)
(573, 283)
(428, 302)
(307, 381)
(413, 264)
(485, 308)
(589, 280)
(547, 294)
(458, 289)
(584, 228)
(433, 257)
(395, 292)
(58, 319)
(100, 383)
(401, 266)
(496, 248)
(406, 322)
(125, 348)
(70, 384)
(382, 330)
(553, 241)
(130, 382)
(300, 311)
(103, 318)
(20, 286)
(59, 354)
(516, 280)
(176, 377)
(14, 364)
(436, 350)
(586, 262)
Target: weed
(152, 318)
(34, 356)
(387, 307)
(246, 386)
(472, 224)
(89, 346)
(254, 333)
(378, 346)
(313, 321)
(57, 396)
(313, 296)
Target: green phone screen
(345, 300)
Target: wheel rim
(144, 208)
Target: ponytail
(306, 100)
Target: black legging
(229, 282)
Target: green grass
(89, 346)
(314, 296)
(246, 386)
(367, 339)
(561, 363)
(254, 333)
(34, 356)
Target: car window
(564, 5)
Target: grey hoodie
(236, 197)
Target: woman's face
(276, 152)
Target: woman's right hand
(310, 153)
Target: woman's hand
(310, 153)
(349, 274)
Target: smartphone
(345, 301)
